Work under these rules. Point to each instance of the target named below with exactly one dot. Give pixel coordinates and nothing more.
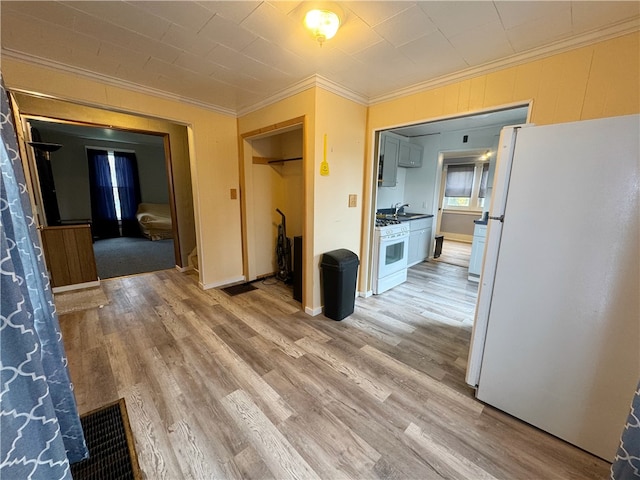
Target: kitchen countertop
(482, 220)
(407, 217)
(404, 216)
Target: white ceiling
(233, 55)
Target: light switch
(234, 193)
(353, 200)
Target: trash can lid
(341, 258)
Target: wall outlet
(353, 200)
(234, 193)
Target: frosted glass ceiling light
(323, 24)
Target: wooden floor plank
(250, 387)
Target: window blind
(459, 180)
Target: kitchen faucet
(397, 207)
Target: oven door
(393, 253)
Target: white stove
(390, 252)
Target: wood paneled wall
(68, 251)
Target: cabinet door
(389, 161)
(425, 244)
(410, 155)
(68, 251)
(415, 155)
(404, 157)
(413, 255)
(477, 252)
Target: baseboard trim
(313, 311)
(75, 286)
(366, 294)
(458, 237)
(184, 269)
(223, 283)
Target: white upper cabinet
(410, 155)
(388, 168)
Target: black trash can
(439, 241)
(339, 273)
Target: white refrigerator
(556, 337)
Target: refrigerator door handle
(501, 218)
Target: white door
(562, 349)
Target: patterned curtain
(626, 465)
(40, 428)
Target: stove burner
(383, 222)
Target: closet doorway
(273, 186)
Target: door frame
(245, 155)
(373, 184)
(53, 112)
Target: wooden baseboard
(76, 286)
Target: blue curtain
(128, 191)
(626, 465)
(104, 222)
(41, 433)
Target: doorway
(133, 164)
(171, 140)
(453, 140)
(422, 187)
(273, 204)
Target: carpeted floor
(117, 257)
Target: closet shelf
(273, 161)
(284, 160)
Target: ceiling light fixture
(486, 156)
(323, 24)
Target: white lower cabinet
(419, 240)
(477, 252)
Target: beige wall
(594, 81)
(329, 223)
(299, 105)
(599, 80)
(336, 224)
(213, 145)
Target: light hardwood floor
(455, 253)
(250, 387)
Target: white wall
(390, 196)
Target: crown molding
(613, 31)
(306, 84)
(616, 30)
(114, 82)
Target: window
(115, 193)
(466, 185)
(114, 183)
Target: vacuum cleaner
(283, 252)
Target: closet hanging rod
(285, 160)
